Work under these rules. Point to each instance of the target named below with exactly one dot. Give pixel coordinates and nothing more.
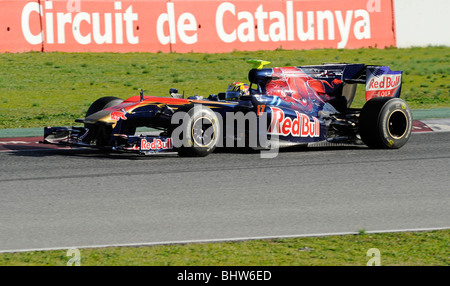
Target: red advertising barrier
(13, 32)
(193, 26)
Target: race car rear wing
(379, 81)
(382, 82)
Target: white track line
(222, 240)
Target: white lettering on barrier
(272, 26)
(186, 22)
(283, 26)
(76, 20)
(25, 22)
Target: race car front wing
(74, 136)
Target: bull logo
(116, 115)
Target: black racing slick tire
(103, 103)
(98, 135)
(385, 123)
(198, 132)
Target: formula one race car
(281, 106)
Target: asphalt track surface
(52, 199)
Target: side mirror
(174, 93)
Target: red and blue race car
(281, 106)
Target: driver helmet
(236, 90)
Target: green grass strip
(430, 248)
(51, 89)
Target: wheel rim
(397, 124)
(203, 132)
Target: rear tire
(385, 123)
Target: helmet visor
(232, 94)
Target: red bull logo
(383, 86)
(156, 144)
(116, 115)
(384, 82)
(301, 126)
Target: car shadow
(296, 149)
(86, 153)
(40, 152)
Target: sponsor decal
(301, 126)
(382, 82)
(116, 115)
(156, 144)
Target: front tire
(103, 103)
(199, 132)
(385, 123)
(98, 135)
